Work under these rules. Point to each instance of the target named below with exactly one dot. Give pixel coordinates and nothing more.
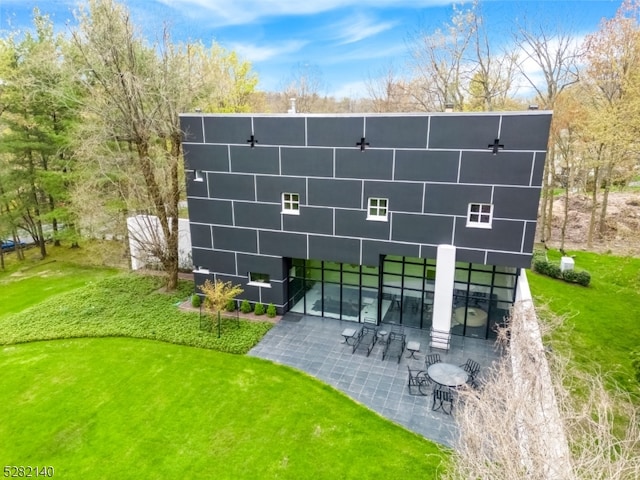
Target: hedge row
(544, 267)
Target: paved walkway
(314, 345)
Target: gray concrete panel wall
(505, 235)
(214, 212)
(280, 130)
(235, 239)
(226, 129)
(403, 197)
(197, 188)
(501, 169)
(255, 160)
(354, 223)
(310, 220)
(454, 199)
(336, 249)
(335, 193)
(370, 164)
(307, 162)
(232, 186)
(454, 132)
(430, 167)
(257, 215)
(284, 244)
(192, 129)
(215, 260)
(335, 131)
(414, 228)
(201, 235)
(213, 158)
(371, 250)
(271, 188)
(397, 131)
(511, 202)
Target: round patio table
(447, 374)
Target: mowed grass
(601, 326)
(28, 282)
(126, 408)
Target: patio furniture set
(448, 378)
(439, 379)
(394, 340)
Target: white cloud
(241, 12)
(359, 27)
(350, 90)
(260, 53)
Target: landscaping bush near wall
(541, 265)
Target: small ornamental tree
(271, 310)
(259, 309)
(217, 295)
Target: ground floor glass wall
(400, 290)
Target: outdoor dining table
(447, 374)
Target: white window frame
(257, 282)
(376, 211)
(291, 203)
(478, 216)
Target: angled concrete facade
(429, 168)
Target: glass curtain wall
(482, 294)
(407, 291)
(482, 297)
(334, 290)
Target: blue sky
(349, 41)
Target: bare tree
(554, 52)
(389, 93)
(533, 422)
(305, 84)
(438, 62)
(612, 77)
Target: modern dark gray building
(418, 219)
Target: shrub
(544, 267)
(570, 276)
(547, 268)
(231, 305)
(196, 300)
(245, 306)
(259, 309)
(583, 278)
(271, 310)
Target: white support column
(443, 294)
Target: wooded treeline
(90, 130)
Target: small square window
(480, 215)
(291, 203)
(378, 209)
(259, 279)
(198, 176)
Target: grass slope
(127, 305)
(125, 408)
(602, 320)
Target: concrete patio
(315, 346)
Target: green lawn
(131, 407)
(26, 283)
(126, 408)
(602, 320)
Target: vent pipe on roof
(292, 109)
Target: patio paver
(315, 346)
